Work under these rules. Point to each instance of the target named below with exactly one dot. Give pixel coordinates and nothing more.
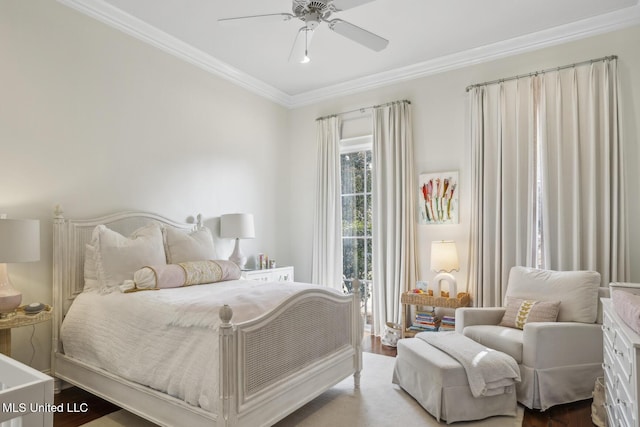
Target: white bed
(246, 372)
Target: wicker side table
(20, 318)
(409, 298)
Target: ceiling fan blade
(271, 17)
(301, 45)
(358, 35)
(348, 4)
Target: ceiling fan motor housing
(311, 19)
(301, 8)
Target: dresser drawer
(620, 410)
(608, 362)
(609, 394)
(621, 421)
(623, 354)
(620, 358)
(624, 415)
(613, 410)
(608, 329)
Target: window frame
(355, 145)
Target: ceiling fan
(314, 12)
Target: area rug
(378, 403)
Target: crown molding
(601, 24)
(114, 17)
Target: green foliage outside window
(356, 214)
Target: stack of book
(425, 321)
(448, 323)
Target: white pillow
(118, 257)
(577, 291)
(90, 274)
(184, 246)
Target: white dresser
(621, 356)
(279, 274)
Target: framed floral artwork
(438, 198)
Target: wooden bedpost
(358, 333)
(226, 361)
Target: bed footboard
(273, 365)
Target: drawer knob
(621, 402)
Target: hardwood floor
(96, 408)
(572, 415)
(577, 414)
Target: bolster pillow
(181, 274)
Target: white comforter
(165, 339)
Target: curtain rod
(363, 109)
(535, 73)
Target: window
(356, 168)
(356, 172)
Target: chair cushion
(501, 338)
(577, 291)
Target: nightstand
(20, 318)
(279, 274)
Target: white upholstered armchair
(559, 361)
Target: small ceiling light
(306, 59)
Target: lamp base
(10, 298)
(237, 256)
(448, 277)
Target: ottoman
(439, 383)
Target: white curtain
(585, 222)
(547, 178)
(394, 188)
(503, 186)
(326, 268)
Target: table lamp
(444, 260)
(19, 242)
(237, 226)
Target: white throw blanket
(489, 372)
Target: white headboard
(69, 239)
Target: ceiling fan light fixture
(305, 58)
(314, 13)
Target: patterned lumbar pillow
(522, 311)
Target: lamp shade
(237, 226)
(444, 256)
(19, 240)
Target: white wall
(440, 138)
(97, 121)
